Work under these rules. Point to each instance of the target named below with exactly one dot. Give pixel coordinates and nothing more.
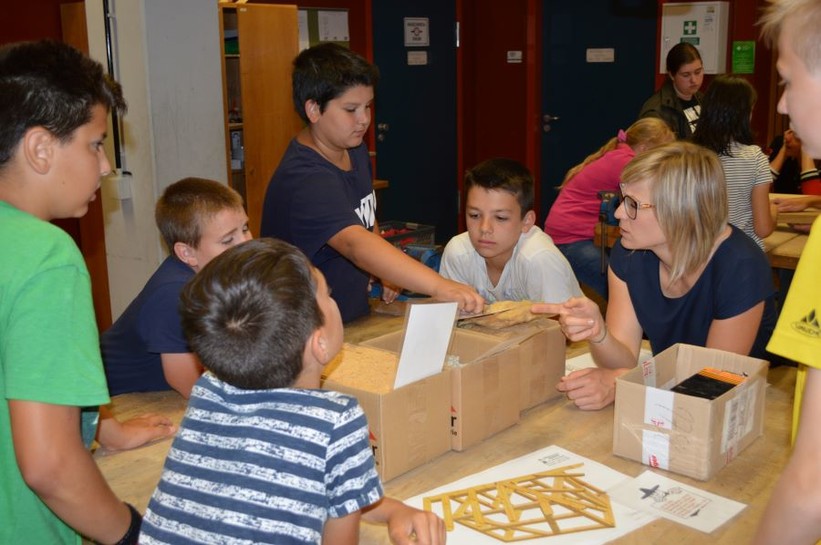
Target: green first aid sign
(690, 28)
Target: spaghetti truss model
(543, 504)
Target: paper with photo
(661, 496)
(552, 457)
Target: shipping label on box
(683, 433)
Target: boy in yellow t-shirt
(794, 513)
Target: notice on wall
(743, 56)
(602, 54)
(333, 25)
(417, 32)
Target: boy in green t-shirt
(53, 120)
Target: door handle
(547, 118)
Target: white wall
(168, 58)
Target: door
(500, 60)
(268, 43)
(592, 100)
(415, 115)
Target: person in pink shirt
(572, 218)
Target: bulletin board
(320, 25)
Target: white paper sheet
(425, 345)
(661, 496)
(552, 457)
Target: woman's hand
(591, 389)
(579, 317)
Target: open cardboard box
(682, 433)
(409, 420)
(484, 379)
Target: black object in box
(402, 233)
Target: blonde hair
(805, 35)
(646, 133)
(689, 195)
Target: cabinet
(260, 42)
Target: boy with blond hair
(794, 513)
(145, 350)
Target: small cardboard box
(409, 426)
(542, 354)
(682, 433)
(484, 377)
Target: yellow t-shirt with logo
(797, 335)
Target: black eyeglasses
(632, 206)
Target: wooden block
(806, 216)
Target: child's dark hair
(506, 175)
(680, 54)
(325, 71)
(725, 114)
(250, 311)
(51, 85)
(185, 205)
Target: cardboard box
(682, 433)
(542, 354)
(484, 378)
(409, 426)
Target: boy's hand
(468, 300)
(408, 526)
(390, 292)
(135, 432)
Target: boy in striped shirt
(263, 455)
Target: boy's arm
(373, 254)
(406, 525)
(793, 514)
(181, 371)
(342, 531)
(55, 464)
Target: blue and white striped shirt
(262, 466)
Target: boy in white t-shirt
(503, 254)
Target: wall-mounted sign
(417, 32)
(514, 57)
(600, 54)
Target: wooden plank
(806, 216)
(786, 255)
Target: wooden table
(748, 479)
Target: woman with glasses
(679, 274)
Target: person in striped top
(724, 127)
(263, 455)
